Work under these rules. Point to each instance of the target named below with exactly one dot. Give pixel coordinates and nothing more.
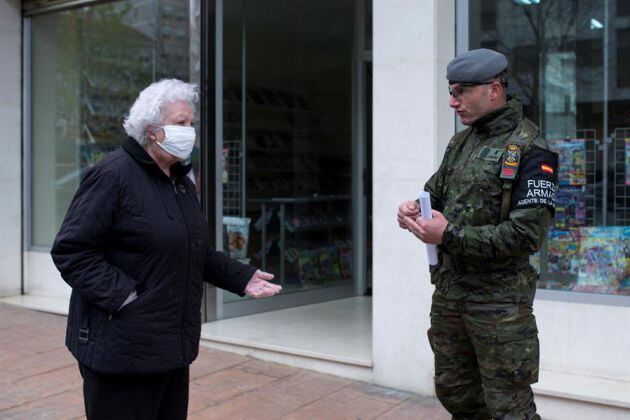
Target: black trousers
(135, 397)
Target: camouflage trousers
(486, 357)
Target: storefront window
(568, 65)
(287, 139)
(88, 66)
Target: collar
(141, 156)
(500, 120)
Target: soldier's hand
(407, 209)
(428, 231)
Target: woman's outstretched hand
(259, 285)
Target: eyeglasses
(460, 89)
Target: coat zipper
(187, 271)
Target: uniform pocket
(518, 353)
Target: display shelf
(275, 157)
(621, 177)
(558, 269)
(589, 190)
(579, 255)
(289, 174)
(282, 206)
(232, 178)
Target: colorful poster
(602, 260)
(562, 251)
(628, 161)
(570, 207)
(571, 161)
(625, 281)
(237, 232)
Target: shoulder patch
(511, 161)
(536, 184)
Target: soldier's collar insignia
(511, 160)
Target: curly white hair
(147, 109)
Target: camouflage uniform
(483, 332)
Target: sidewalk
(40, 379)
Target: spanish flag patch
(546, 168)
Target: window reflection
(88, 66)
(568, 64)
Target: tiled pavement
(40, 379)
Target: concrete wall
(42, 277)
(413, 41)
(584, 339)
(11, 147)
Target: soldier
(493, 198)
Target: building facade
(317, 118)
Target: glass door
(287, 147)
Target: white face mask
(178, 140)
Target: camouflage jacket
(483, 258)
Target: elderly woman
(134, 249)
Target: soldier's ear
(496, 90)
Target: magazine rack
(589, 193)
(288, 225)
(621, 183)
(232, 186)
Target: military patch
(546, 168)
(536, 186)
(511, 160)
(490, 154)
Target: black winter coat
(130, 227)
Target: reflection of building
(568, 40)
(296, 116)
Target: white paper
(425, 208)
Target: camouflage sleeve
(522, 234)
(434, 187)
(532, 206)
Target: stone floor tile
(255, 405)
(15, 332)
(380, 393)
(211, 361)
(40, 343)
(343, 404)
(66, 405)
(226, 384)
(194, 405)
(261, 367)
(417, 408)
(40, 386)
(11, 352)
(39, 378)
(37, 363)
(308, 386)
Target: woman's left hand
(259, 286)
